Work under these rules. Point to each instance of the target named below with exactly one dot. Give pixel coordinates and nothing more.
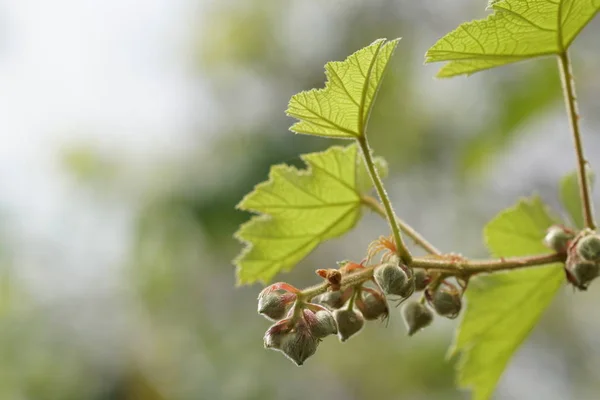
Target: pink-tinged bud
(372, 304)
(274, 305)
(279, 286)
(294, 340)
(349, 322)
(276, 333)
(320, 323)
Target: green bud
(584, 272)
(447, 303)
(333, 300)
(298, 346)
(323, 324)
(557, 239)
(349, 322)
(372, 305)
(409, 287)
(588, 247)
(416, 316)
(391, 279)
(421, 279)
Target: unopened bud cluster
(301, 324)
(582, 249)
(583, 259)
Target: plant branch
(401, 248)
(374, 205)
(568, 86)
(471, 267)
(451, 266)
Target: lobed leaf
(342, 108)
(517, 30)
(570, 196)
(299, 209)
(503, 308)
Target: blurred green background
(131, 129)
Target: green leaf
(342, 108)
(503, 308)
(571, 198)
(517, 30)
(299, 210)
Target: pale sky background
(110, 74)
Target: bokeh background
(130, 129)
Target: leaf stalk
(568, 86)
(401, 249)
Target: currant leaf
(503, 308)
(570, 196)
(516, 30)
(299, 209)
(342, 108)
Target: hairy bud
(581, 272)
(557, 238)
(393, 280)
(334, 300)
(447, 302)
(588, 248)
(294, 340)
(349, 322)
(321, 323)
(372, 304)
(275, 334)
(298, 346)
(409, 287)
(274, 305)
(421, 280)
(416, 316)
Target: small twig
(462, 269)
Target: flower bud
(557, 238)
(416, 316)
(349, 322)
(274, 305)
(583, 273)
(391, 279)
(447, 302)
(372, 304)
(298, 346)
(421, 280)
(295, 341)
(334, 300)
(275, 334)
(321, 323)
(409, 287)
(588, 247)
